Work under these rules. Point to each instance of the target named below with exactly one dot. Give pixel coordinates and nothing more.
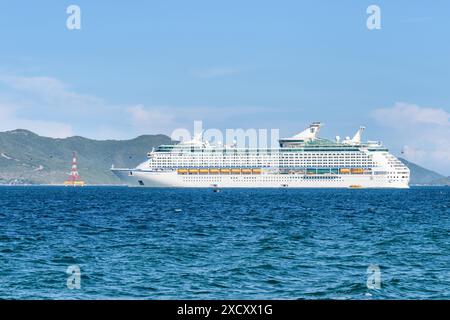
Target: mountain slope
(441, 182)
(26, 157)
(420, 175)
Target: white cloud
(50, 107)
(402, 114)
(164, 119)
(10, 121)
(53, 92)
(152, 118)
(5, 113)
(412, 153)
(47, 106)
(423, 132)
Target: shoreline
(61, 185)
(124, 185)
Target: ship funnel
(310, 133)
(357, 137)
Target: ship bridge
(299, 140)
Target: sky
(147, 67)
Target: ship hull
(143, 178)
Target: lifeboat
(344, 170)
(225, 171)
(214, 171)
(182, 171)
(357, 170)
(203, 171)
(256, 171)
(246, 171)
(193, 171)
(236, 171)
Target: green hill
(420, 175)
(27, 158)
(445, 181)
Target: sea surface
(136, 243)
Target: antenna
(357, 137)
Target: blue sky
(152, 66)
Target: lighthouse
(74, 177)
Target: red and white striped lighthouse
(74, 176)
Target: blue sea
(133, 243)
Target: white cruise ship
(301, 161)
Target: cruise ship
(302, 161)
